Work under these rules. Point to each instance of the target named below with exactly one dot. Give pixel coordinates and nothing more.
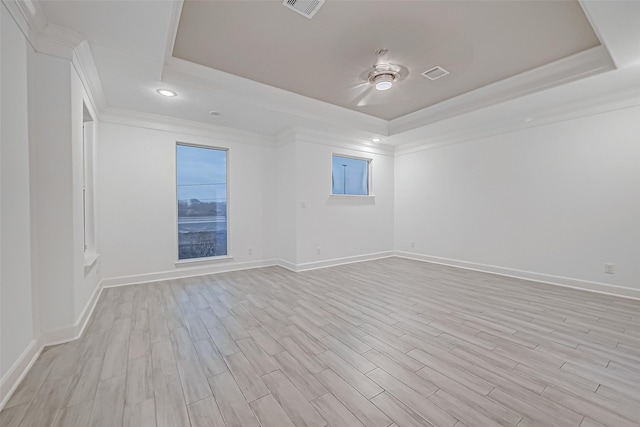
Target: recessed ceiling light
(167, 92)
(376, 139)
(214, 113)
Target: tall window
(350, 175)
(202, 201)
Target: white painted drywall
(560, 199)
(136, 193)
(16, 316)
(285, 164)
(52, 174)
(341, 226)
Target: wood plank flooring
(391, 342)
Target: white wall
(285, 164)
(561, 200)
(268, 186)
(52, 176)
(16, 315)
(136, 191)
(341, 226)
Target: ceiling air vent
(435, 73)
(306, 8)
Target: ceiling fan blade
(367, 97)
(357, 92)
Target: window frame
(88, 194)
(369, 161)
(209, 259)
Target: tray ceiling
(324, 58)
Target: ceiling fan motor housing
(383, 79)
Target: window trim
(213, 259)
(369, 161)
(88, 194)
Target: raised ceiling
(131, 55)
(478, 42)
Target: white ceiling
(132, 44)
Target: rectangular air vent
(435, 73)
(306, 8)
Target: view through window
(202, 201)
(350, 175)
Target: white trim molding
(14, 376)
(589, 62)
(170, 124)
(627, 97)
(567, 282)
(306, 266)
(185, 271)
(312, 136)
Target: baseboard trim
(14, 376)
(286, 264)
(73, 332)
(10, 382)
(184, 272)
(341, 261)
(235, 266)
(567, 282)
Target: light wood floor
(389, 342)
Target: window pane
(350, 176)
(202, 201)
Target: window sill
(90, 260)
(208, 260)
(365, 196)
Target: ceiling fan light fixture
(384, 85)
(383, 81)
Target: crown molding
(589, 62)
(616, 26)
(57, 41)
(86, 68)
(29, 17)
(60, 42)
(299, 134)
(179, 71)
(287, 136)
(174, 125)
(611, 101)
(176, 12)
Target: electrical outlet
(413, 244)
(608, 268)
(318, 251)
(250, 251)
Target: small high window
(202, 201)
(350, 175)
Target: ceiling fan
(381, 76)
(384, 73)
